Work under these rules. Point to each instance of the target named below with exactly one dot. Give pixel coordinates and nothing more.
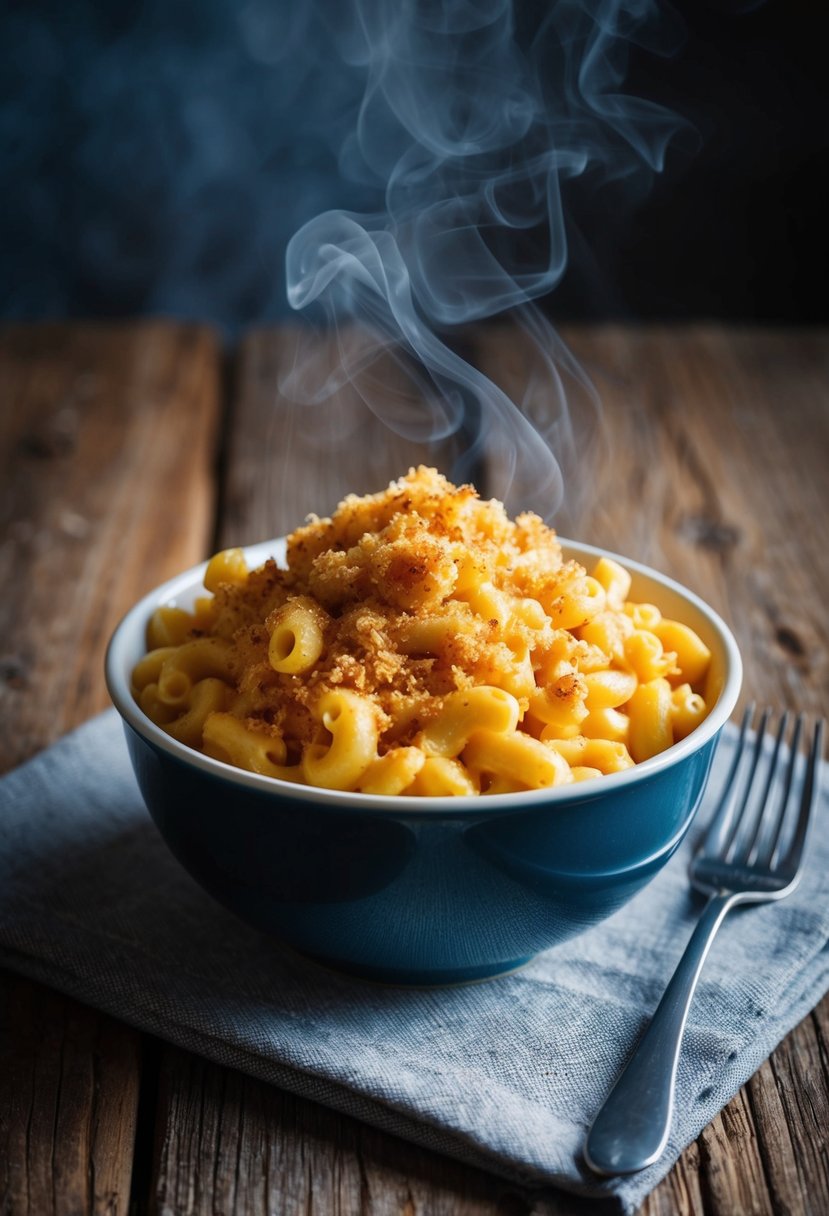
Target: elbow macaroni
(421, 643)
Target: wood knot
(789, 641)
(14, 671)
(708, 533)
(56, 436)
(512, 1203)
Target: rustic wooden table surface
(130, 452)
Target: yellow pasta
(429, 635)
(688, 710)
(207, 697)
(442, 777)
(608, 632)
(152, 705)
(516, 756)
(527, 612)
(421, 643)
(227, 567)
(603, 754)
(607, 723)
(650, 712)
(615, 580)
(692, 655)
(228, 738)
(608, 689)
(297, 635)
(583, 772)
(351, 721)
(199, 659)
(488, 602)
(644, 616)
(561, 704)
(461, 713)
(168, 627)
(646, 656)
(393, 773)
(578, 601)
(148, 669)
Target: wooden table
(130, 452)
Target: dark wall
(158, 154)
(156, 157)
(738, 224)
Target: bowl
(422, 890)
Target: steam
(163, 156)
(471, 127)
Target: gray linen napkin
(504, 1074)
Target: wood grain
(285, 458)
(68, 1101)
(234, 1144)
(106, 452)
(676, 484)
(713, 468)
(710, 463)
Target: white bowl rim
(118, 684)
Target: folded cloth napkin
(504, 1074)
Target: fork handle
(631, 1129)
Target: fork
(752, 852)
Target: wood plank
(720, 438)
(688, 415)
(107, 446)
(69, 1080)
(789, 1099)
(286, 458)
(106, 452)
(234, 1144)
(679, 1194)
(732, 1175)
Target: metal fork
(752, 852)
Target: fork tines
(750, 826)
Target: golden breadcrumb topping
(420, 642)
(398, 575)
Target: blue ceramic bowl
(422, 890)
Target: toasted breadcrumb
(389, 569)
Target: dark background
(738, 226)
(157, 156)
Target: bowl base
(409, 978)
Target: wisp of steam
(471, 125)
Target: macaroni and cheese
(420, 642)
